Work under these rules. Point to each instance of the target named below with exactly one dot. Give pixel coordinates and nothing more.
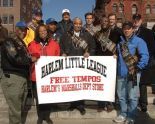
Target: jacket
(69, 48)
(115, 34)
(147, 36)
(37, 49)
(136, 46)
(64, 26)
(32, 26)
(15, 57)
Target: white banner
(65, 79)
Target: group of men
(132, 45)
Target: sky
(53, 8)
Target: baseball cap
(37, 12)
(127, 25)
(136, 17)
(51, 21)
(65, 11)
(21, 24)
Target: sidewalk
(62, 116)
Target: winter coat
(69, 48)
(37, 49)
(136, 46)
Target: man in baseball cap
(65, 24)
(21, 29)
(52, 28)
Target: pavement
(60, 115)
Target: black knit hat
(136, 17)
(127, 25)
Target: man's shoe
(110, 108)
(119, 119)
(82, 110)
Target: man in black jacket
(70, 47)
(15, 64)
(147, 36)
(65, 24)
(115, 32)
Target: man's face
(52, 27)
(38, 17)
(128, 31)
(137, 22)
(20, 33)
(66, 16)
(89, 19)
(112, 20)
(77, 25)
(104, 22)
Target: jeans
(128, 96)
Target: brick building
(12, 11)
(126, 8)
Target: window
(134, 9)
(11, 3)
(24, 8)
(153, 9)
(121, 8)
(114, 7)
(5, 3)
(148, 9)
(0, 2)
(11, 19)
(5, 19)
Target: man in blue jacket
(127, 85)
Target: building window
(5, 3)
(5, 19)
(148, 9)
(153, 9)
(11, 19)
(11, 2)
(121, 8)
(114, 7)
(134, 9)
